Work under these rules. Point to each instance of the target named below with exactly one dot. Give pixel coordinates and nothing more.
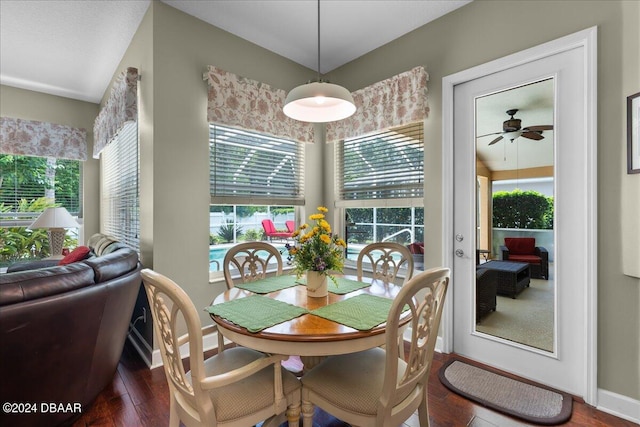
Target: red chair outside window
(271, 232)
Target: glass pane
(515, 285)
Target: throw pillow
(78, 254)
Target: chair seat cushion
(231, 402)
(351, 381)
(531, 259)
(520, 245)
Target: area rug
(528, 402)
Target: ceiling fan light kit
(319, 101)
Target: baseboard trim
(619, 405)
(138, 343)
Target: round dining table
(308, 335)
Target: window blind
(384, 165)
(252, 168)
(29, 178)
(120, 190)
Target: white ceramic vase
(316, 284)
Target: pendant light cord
(319, 41)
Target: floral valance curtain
(41, 139)
(396, 101)
(120, 108)
(240, 102)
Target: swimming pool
(217, 253)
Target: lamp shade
(319, 102)
(54, 218)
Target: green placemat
(269, 284)
(362, 312)
(344, 285)
(256, 312)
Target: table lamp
(55, 220)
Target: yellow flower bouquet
(316, 248)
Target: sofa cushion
(520, 245)
(78, 254)
(531, 259)
(31, 265)
(112, 265)
(33, 284)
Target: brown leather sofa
(62, 331)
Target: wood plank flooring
(138, 397)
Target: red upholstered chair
(524, 249)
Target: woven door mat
(531, 403)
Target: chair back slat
(252, 261)
(386, 259)
(424, 294)
(171, 309)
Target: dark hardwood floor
(138, 396)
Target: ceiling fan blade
(538, 128)
(496, 140)
(532, 135)
(489, 134)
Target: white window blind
(384, 165)
(252, 168)
(120, 191)
(24, 179)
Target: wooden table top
(299, 335)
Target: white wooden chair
(386, 259)
(237, 387)
(251, 260)
(376, 387)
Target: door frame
(587, 39)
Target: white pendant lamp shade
(319, 102)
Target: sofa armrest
(505, 252)
(542, 253)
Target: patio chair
(524, 249)
(291, 226)
(221, 390)
(376, 387)
(271, 232)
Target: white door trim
(587, 39)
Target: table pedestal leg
(293, 415)
(307, 414)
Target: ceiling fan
(512, 129)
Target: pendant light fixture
(319, 101)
